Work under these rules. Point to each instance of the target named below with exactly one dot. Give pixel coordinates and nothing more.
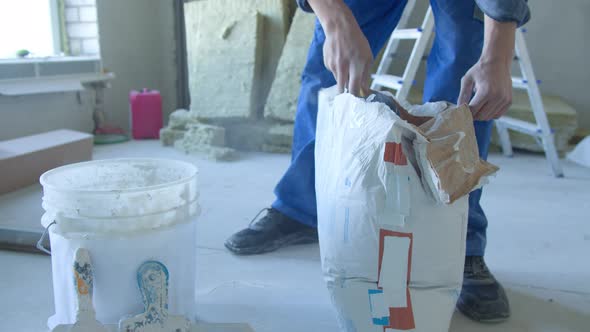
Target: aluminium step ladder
(421, 36)
(540, 130)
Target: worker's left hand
(492, 84)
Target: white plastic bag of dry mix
(392, 211)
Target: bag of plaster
(392, 209)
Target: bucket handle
(43, 237)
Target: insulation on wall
(229, 58)
(277, 15)
(223, 60)
(281, 103)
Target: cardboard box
(23, 160)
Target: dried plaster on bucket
(120, 195)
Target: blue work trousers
(457, 46)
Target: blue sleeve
(500, 10)
(304, 5)
(506, 10)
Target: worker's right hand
(347, 53)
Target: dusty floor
(539, 244)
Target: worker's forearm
(331, 13)
(347, 53)
(498, 45)
(490, 76)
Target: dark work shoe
(273, 231)
(482, 298)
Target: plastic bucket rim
(47, 185)
(77, 234)
(194, 202)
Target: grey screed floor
(539, 247)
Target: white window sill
(56, 58)
(52, 84)
(50, 74)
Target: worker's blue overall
(457, 47)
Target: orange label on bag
(394, 153)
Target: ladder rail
(416, 56)
(393, 42)
(504, 139)
(546, 133)
(531, 82)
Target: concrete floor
(539, 244)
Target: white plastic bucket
(124, 212)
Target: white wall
(558, 40)
(137, 43)
(33, 114)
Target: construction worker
(469, 63)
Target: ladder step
(407, 33)
(520, 126)
(388, 81)
(519, 83)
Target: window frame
(55, 27)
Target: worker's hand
(347, 53)
(490, 76)
(348, 56)
(492, 84)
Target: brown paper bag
(446, 157)
(452, 153)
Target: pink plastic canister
(146, 113)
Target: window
(31, 25)
(62, 38)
